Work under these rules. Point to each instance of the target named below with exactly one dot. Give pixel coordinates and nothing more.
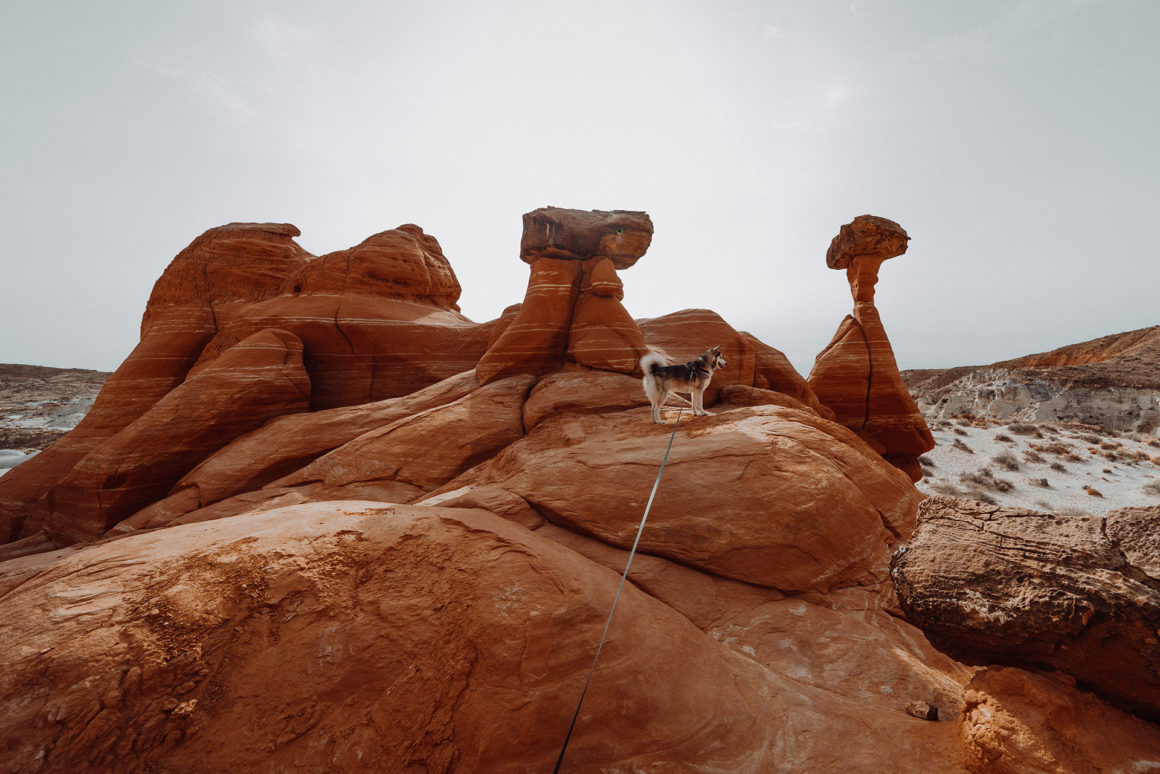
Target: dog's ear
(717, 350)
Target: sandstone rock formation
(572, 310)
(374, 322)
(370, 638)
(737, 482)
(1078, 594)
(856, 375)
(684, 335)
(1112, 382)
(427, 523)
(1014, 721)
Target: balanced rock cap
(866, 236)
(555, 232)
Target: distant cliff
(1112, 382)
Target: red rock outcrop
(1006, 586)
(1015, 721)
(572, 308)
(856, 374)
(684, 335)
(256, 380)
(452, 630)
(369, 638)
(376, 321)
(775, 497)
(238, 264)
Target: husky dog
(692, 377)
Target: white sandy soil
(1057, 468)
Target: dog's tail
(652, 386)
(652, 361)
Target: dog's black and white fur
(693, 377)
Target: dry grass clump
(958, 444)
(1004, 438)
(1058, 466)
(986, 479)
(1059, 449)
(1039, 482)
(1033, 456)
(1152, 487)
(1023, 428)
(1006, 460)
(960, 431)
(1089, 438)
(1106, 445)
(926, 462)
(1153, 442)
(1092, 490)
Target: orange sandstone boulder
(234, 265)
(427, 449)
(1015, 721)
(260, 378)
(360, 637)
(684, 335)
(377, 321)
(768, 495)
(572, 310)
(856, 374)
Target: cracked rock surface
(1078, 594)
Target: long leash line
(623, 577)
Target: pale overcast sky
(1017, 141)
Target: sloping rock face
(1014, 721)
(373, 322)
(856, 374)
(1077, 594)
(312, 573)
(1112, 382)
(736, 482)
(364, 638)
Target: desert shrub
(986, 479)
(1153, 442)
(1004, 438)
(1089, 438)
(960, 431)
(1039, 482)
(1033, 456)
(946, 488)
(1106, 470)
(1093, 491)
(1152, 487)
(1059, 467)
(1006, 460)
(1106, 445)
(958, 444)
(1023, 428)
(926, 462)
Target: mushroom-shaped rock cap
(866, 236)
(554, 232)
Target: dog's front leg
(698, 408)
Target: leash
(616, 599)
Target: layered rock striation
(343, 527)
(1112, 382)
(1007, 586)
(856, 375)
